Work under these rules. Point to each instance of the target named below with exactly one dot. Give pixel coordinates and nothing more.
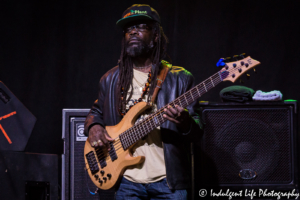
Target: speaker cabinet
(76, 183)
(253, 145)
(29, 176)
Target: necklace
(139, 83)
(122, 109)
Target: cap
(138, 12)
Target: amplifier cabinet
(252, 145)
(76, 183)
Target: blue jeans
(158, 190)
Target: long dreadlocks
(126, 66)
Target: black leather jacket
(175, 143)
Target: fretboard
(142, 128)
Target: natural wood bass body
(117, 167)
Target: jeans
(158, 190)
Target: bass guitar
(106, 167)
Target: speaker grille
(75, 181)
(256, 139)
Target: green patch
(137, 12)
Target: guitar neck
(141, 129)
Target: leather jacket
(175, 144)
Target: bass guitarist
(165, 173)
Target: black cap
(138, 12)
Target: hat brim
(122, 22)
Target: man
(165, 172)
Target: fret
(204, 87)
(135, 133)
(198, 91)
(139, 127)
(122, 142)
(139, 131)
(192, 95)
(126, 141)
(208, 84)
(130, 138)
(149, 125)
(172, 106)
(146, 123)
(156, 123)
(179, 102)
(212, 82)
(154, 120)
(151, 120)
(143, 128)
(186, 100)
(219, 73)
(161, 114)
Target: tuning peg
(242, 55)
(221, 63)
(248, 76)
(227, 59)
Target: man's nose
(133, 30)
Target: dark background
(53, 53)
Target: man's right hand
(98, 137)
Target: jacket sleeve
(95, 116)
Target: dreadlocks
(126, 66)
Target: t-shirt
(153, 169)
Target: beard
(141, 49)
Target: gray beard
(140, 50)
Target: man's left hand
(179, 116)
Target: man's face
(139, 38)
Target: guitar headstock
(233, 70)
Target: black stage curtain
(53, 53)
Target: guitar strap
(160, 79)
